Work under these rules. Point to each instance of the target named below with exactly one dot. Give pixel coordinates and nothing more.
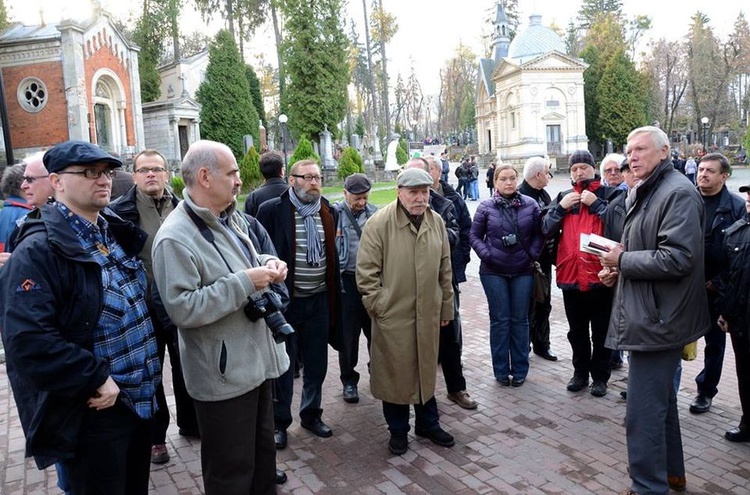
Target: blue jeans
(508, 299)
(474, 189)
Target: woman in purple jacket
(507, 236)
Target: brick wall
(47, 127)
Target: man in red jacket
(587, 301)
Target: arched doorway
(110, 131)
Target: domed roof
(535, 40)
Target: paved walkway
(536, 439)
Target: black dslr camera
(265, 304)
(509, 240)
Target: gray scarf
(308, 211)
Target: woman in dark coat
(507, 236)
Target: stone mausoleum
(72, 80)
(529, 99)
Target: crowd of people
(93, 291)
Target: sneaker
(438, 436)
(462, 399)
(578, 383)
(159, 454)
(598, 388)
(399, 443)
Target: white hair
(612, 157)
(533, 166)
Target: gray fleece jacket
(223, 353)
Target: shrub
(250, 170)
(350, 163)
(401, 155)
(304, 151)
(177, 185)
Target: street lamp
(704, 121)
(283, 120)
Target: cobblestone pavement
(535, 439)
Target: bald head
(203, 154)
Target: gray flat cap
(413, 177)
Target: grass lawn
(382, 193)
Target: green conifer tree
(228, 113)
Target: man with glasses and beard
(302, 226)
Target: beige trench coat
(404, 276)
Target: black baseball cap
(744, 188)
(69, 153)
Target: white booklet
(596, 244)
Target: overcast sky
(429, 30)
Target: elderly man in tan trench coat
(404, 276)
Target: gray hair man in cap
(80, 346)
(354, 212)
(404, 276)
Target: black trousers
(741, 345)
(713, 354)
(449, 350)
(238, 453)
(166, 339)
(355, 320)
(539, 312)
(582, 309)
(113, 456)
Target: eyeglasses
(148, 170)
(612, 171)
(30, 178)
(308, 177)
(92, 173)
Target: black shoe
(190, 433)
(438, 436)
(546, 354)
(279, 436)
(351, 395)
(578, 383)
(624, 394)
(505, 381)
(598, 388)
(318, 427)
(399, 443)
(701, 404)
(517, 382)
(280, 477)
(738, 435)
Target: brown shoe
(462, 399)
(159, 454)
(677, 483)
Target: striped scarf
(308, 211)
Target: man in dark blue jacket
(271, 167)
(722, 210)
(302, 226)
(80, 346)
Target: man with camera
(210, 262)
(302, 225)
